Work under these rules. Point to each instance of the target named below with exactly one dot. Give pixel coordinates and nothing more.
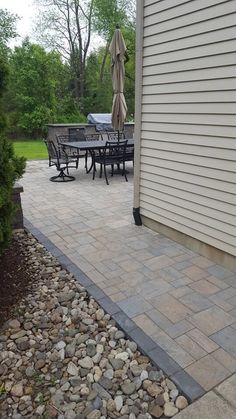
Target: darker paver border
(188, 386)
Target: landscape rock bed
(62, 357)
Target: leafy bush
(11, 168)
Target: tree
(7, 27)
(66, 25)
(31, 98)
(11, 167)
(7, 32)
(107, 15)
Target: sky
(26, 11)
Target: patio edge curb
(188, 386)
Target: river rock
(86, 362)
(128, 388)
(181, 402)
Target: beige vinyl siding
(188, 118)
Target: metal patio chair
(112, 154)
(62, 162)
(115, 135)
(71, 152)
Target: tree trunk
(104, 62)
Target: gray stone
(18, 335)
(128, 388)
(29, 372)
(70, 414)
(13, 324)
(66, 296)
(17, 390)
(119, 335)
(117, 364)
(28, 325)
(136, 370)
(39, 364)
(105, 383)
(86, 362)
(22, 343)
(154, 375)
(109, 374)
(72, 369)
(132, 346)
(97, 403)
(70, 350)
(75, 381)
(91, 349)
(101, 391)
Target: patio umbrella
(119, 108)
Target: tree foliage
(11, 167)
(64, 77)
(66, 26)
(38, 89)
(7, 27)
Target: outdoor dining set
(105, 149)
(98, 150)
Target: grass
(30, 149)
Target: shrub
(11, 169)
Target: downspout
(138, 109)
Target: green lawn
(31, 149)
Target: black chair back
(53, 151)
(116, 136)
(93, 137)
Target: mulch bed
(15, 278)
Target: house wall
(186, 106)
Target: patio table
(92, 146)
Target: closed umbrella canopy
(119, 108)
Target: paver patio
(183, 301)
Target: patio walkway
(184, 302)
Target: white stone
(100, 314)
(60, 345)
(72, 369)
(170, 410)
(173, 394)
(144, 375)
(119, 402)
(99, 348)
(122, 355)
(62, 354)
(84, 391)
(68, 322)
(40, 410)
